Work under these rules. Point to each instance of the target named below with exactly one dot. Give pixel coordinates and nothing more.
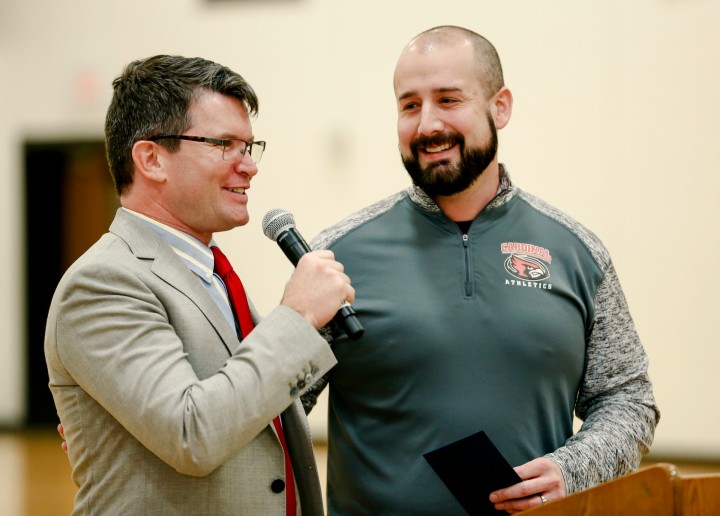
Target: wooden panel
(648, 491)
(697, 495)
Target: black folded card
(472, 468)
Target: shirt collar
(196, 255)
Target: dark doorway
(69, 202)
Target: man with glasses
(168, 400)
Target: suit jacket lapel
(145, 244)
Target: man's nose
(430, 121)
(246, 165)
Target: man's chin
(440, 170)
(235, 221)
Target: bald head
(489, 70)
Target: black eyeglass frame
(215, 141)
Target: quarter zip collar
(506, 191)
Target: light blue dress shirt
(199, 259)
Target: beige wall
(616, 121)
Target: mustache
(423, 141)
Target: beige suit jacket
(164, 411)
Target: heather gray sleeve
(615, 401)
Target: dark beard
(442, 178)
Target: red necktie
(241, 309)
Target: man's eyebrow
(234, 136)
(446, 89)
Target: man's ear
(148, 160)
(501, 106)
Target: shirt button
(308, 378)
(277, 486)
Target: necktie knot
(222, 264)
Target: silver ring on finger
(543, 499)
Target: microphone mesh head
(276, 221)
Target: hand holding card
(472, 468)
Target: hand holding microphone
(318, 282)
(317, 288)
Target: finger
(519, 490)
(539, 476)
(345, 278)
(521, 504)
(529, 470)
(535, 468)
(350, 294)
(324, 254)
(337, 266)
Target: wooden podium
(656, 490)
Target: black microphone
(279, 226)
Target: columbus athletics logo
(527, 263)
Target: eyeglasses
(233, 149)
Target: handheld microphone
(279, 226)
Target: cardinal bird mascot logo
(526, 262)
(526, 268)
